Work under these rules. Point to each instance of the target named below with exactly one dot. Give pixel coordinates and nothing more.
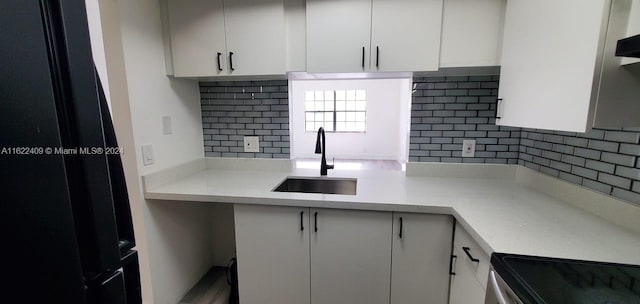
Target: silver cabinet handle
(496, 288)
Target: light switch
(147, 155)
(166, 125)
(468, 148)
(251, 144)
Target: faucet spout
(321, 149)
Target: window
(336, 111)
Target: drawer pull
(400, 234)
(467, 251)
(301, 220)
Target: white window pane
(341, 126)
(361, 105)
(319, 116)
(310, 126)
(360, 116)
(341, 95)
(308, 116)
(309, 106)
(340, 105)
(351, 95)
(341, 116)
(328, 105)
(361, 95)
(351, 116)
(328, 95)
(350, 126)
(329, 127)
(309, 95)
(319, 105)
(351, 105)
(360, 127)
(319, 95)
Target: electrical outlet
(468, 148)
(251, 144)
(147, 155)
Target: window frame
(335, 113)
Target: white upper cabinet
(550, 63)
(232, 37)
(559, 69)
(255, 31)
(373, 35)
(338, 35)
(472, 33)
(405, 35)
(197, 36)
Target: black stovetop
(538, 280)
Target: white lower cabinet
(465, 288)
(272, 247)
(421, 251)
(471, 268)
(350, 256)
(325, 256)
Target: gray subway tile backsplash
(593, 160)
(445, 111)
(607, 161)
(234, 109)
(457, 108)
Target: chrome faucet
(322, 149)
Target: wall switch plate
(147, 155)
(251, 144)
(468, 148)
(166, 125)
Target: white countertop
(500, 213)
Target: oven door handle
(496, 288)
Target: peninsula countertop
(501, 213)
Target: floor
(353, 164)
(211, 289)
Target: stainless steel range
(528, 280)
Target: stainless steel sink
(318, 185)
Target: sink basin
(318, 185)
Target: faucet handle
(332, 164)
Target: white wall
(404, 123)
(178, 234)
(382, 139)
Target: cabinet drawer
(467, 249)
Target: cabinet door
(255, 32)
(472, 32)
(338, 35)
(350, 256)
(421, 254)
(405, 35)
(197, 36)
(272, 245)
(465, 288)
(549, 55)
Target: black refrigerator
(67, 232)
